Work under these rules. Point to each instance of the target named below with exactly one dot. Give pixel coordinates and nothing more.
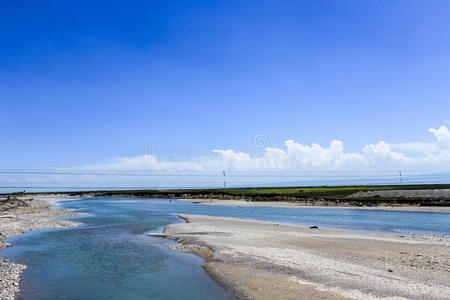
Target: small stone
(389, 270)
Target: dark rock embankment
(11, 202)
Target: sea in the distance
(180, 182)
(110, 255)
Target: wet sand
(16, 221)
(283, 204)
(264, 260)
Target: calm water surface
(111, 257)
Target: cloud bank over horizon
(296, 157)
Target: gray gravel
(266, 260)
(438, 193)
(29, 214)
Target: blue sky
(83, 83)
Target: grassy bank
(322, 195)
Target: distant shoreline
(281, 204)
(433, 197)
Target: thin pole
(224, 183)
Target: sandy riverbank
(283, 204)
(263, 260)
(36, 215)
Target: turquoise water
(111, 257)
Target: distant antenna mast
(400, 174)
(224, 183)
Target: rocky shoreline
(283, 204)
(420, 195)
(18, 216)
(265, 260)
(361, 200)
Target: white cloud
(442, 134)
(297, 157)
(381, 150)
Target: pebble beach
(31, 215)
